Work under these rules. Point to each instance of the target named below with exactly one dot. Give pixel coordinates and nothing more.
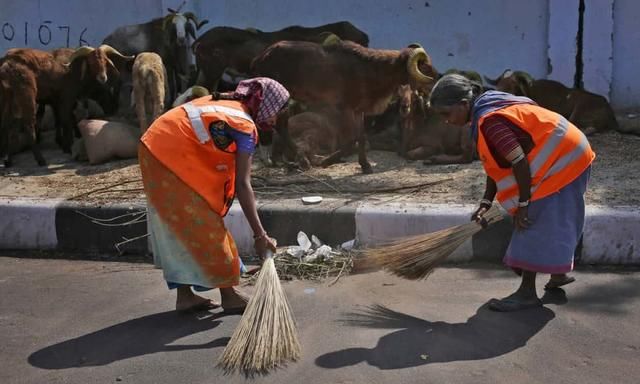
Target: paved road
(104, 322)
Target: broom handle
(268, 254)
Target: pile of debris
(311, 259)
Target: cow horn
(80, 52)
(167, 20)
(109, 50)
(328, 39)
(490, 81)
(415, 57)
(191, 16)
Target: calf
(316, 134)
(149, 81)
(18, 111)
(588, 111)
(61, 85)
(426, 137)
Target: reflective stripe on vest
(547, 150)
(561, 154)
(195, 112)
(560, 164)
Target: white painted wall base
(611, 236)
(28, 224)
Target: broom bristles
(415, 257)
(266, 336)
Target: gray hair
(453, 89)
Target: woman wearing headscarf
(194, 160)
(537, 165)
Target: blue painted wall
(625, 85)
(485, 35)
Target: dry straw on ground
(416, 257)
(290, 267)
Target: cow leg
(39, 117)
(67, 122)
(362, 144)
(30, 126)
(157, 108)
(352, 122)
(405, 133)
(57, 123)
(140, 110)
(5, 126)
(282, 127)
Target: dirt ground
(615, 178)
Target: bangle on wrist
(522, 204)
(486, 202)
(260, 236)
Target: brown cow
(425, 136)
(316, 134)
(57, 84)
(358, 81)
(588, 111)
(223, 48)
(18, 111)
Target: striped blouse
(505, 140)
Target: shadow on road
(485, 335)
(137, 337)
(612, 297)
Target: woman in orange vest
(537, 165)
(194, 160)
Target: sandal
(552, 284)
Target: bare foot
(233, 300)
(188, 301)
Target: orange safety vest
(181, 140)
(561, 153)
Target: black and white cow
(169, 37)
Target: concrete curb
(612, 235)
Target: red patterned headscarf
(265, 98)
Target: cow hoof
(366, 169)
(304, 164)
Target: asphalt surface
(70, 321)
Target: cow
(40, 78)
(357, 80)
(149, 80)
(168, 37)
(423, 134)
(315, 133)
(18, 111)
(588, 111)
(228, 48)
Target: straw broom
(415, 257)
(266, 336)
